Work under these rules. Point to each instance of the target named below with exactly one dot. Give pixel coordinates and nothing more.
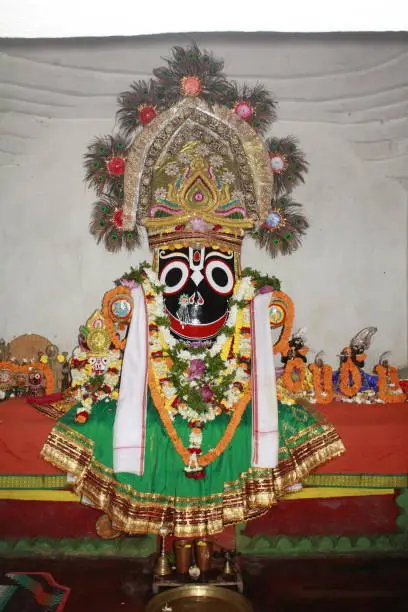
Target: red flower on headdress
(116, 166)
(245, 110)
(147, 113)
(191, 86)
(117, 218)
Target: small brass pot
(203, 551)
(183, 551)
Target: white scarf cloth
(129, 430)
(265, 432)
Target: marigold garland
(226, 361)
(280, 298)
(389, 390)
(210, 456)
(296, 364)
(109, 295)
(322, 379)
(349, 370)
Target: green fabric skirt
(231, 490)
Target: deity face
(34, 379)
(199, 282)
(99, 364)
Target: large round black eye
(174, 276)
(219, 276)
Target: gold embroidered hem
(163, 496)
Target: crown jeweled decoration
(190, 164)
(96, 335)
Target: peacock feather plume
(106, 226)
(192, 72)
(105, 163)
(288, 163)
(254, 104)
(283, 228)
(140, 105)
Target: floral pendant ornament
(193, 469)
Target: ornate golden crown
(197, 170)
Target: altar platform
(355, 502)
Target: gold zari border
(250, 496)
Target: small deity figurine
(95, 367)
(296, 379)
(389, 388)
(322, 382)
(350, 381)
(36, 382)
(66, 376)
(5, 351)
(20, 383)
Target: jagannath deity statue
(194, 437)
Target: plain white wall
(345, 98)
(47, 19)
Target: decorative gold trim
(251, 495)
(380, 481)
(249, 153)
(258, 157)
(176, 241)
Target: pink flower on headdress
(199, 225)
(196, 369)
(243, 109)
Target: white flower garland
(164, 340)
(81, 375)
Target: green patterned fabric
(163, 468)
(232, 491)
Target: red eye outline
(229, 287)
(185, 275)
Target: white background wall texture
(47, 18)
(344, 96)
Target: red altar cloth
(23, 432)
(375, 437)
